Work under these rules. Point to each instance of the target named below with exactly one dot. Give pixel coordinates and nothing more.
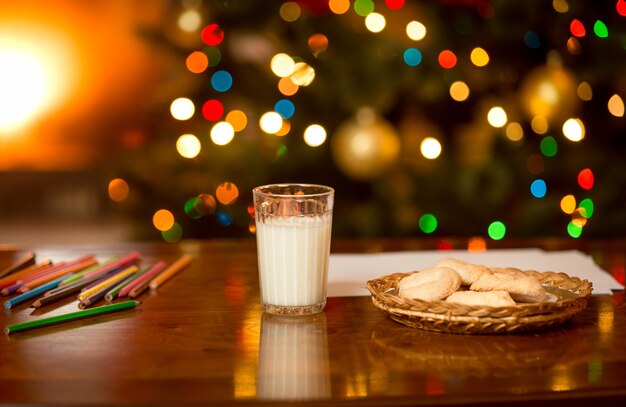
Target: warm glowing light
(35, 74)
(212, 110)
(237, 119)
(416, 30)
(577, 28)
(290, 11)
(568, 204)
(314, 135)
(584, 91)
(188, 146)
(182, 109)
(197, 62)
(287, 87)
(271, 122)
(616, 106)
(497, 116)
(118, 190)
(574, 129)
(479, 57)
(514, 131)
(282, 65)
(163, 220)
(222, 133)
(318, 43)
(284, 129)
(459, 91)
(375, 22)
(476, 244)
(586, 178)
(227, 193)
(212, 34)
(339, 6)
(303, 74)
(430, 148)
(189, 20)
(539, 124)
(447, 59)
(560, 5)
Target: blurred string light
(588, 205)
(287, 87)
(573, 46)
(621, 7)
(447, 59)
(568, 204)
(538, 188)
(586, 178)
(213, 54)
(270, 122)
(285, 108)
(514, 131)
(548, 146)
(189, 21)
(212, 110)
(412, 56)
(479, 57)
(290, 11)
(339, 6)
(394, 4)
(303, 74)
(476, 244)
(532, 40)
(363, 7)
(221, 81)
(496, 230)
(197, 62)
(539, 124)
(173, 234)
(314, 135)
(163, 219)
(182, 109)
(118, 190)
(577, 28)
(222, 133)
(237, 119)
(194, 207)
(188, 146)
(375, 22)
(616, 106)
(285, 128)
(574, 129)
(600, 29)
(212, 34)
(497, 117)
(560, 6)
(574, 230)
(428, 223)
(430, 148)
(416, 30)
(227, 193)
(282, 65)
(318, 43)
(459, 91)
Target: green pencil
(105, 309)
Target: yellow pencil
(177, 266)
(114, 279)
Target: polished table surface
(203, 338)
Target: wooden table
(203, 339)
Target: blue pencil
(34, 292)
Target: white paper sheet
(348, 273)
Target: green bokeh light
(363, 7)
(496, 230)
(173, 234)
(574, 230)
(548, 146)
(600, 29)
(428, 223)
(587, 204)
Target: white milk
(293, 259)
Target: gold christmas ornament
(365, 146)
(549, 92)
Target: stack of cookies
(457, 281)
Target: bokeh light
(586, 179)
(214, 54)
(412, 56)
(584, 91)
(600, 29)
(284, 129)
(207, 204)
(579, 217)
(496, 230)
(287, 87)
(118, 190)
(428, 223)
(290, 11)
(375, 22)
(479, 57)
(197, 62)
(237, 119)
(339, 6)
(548, 146)
(497, 117)
(221, 81)
(539, 124)
(430, 148)
(574, 230)
(285, 108)
(514, 131)
(314, 135)
(318, 43)
(532, 40)
(476, 244)
(282, 65)
(416, 30)
(560, 5)
(574, 129)
(213, 110)
(587, 203)
(568, 204)
(577, 28)
(447, 59)
(363, 7)
(222, 133)
(394, 4)
(223, 218)
(189, 21)
(212, 35)
(173, 234)
(227, 193)
(459, 91)
(182, 109)
(303, 74)
(616, 106)
(270, 122)
(538, 188)
(163, 219)
(188, 146)
(193, 207)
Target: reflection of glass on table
(293, 358)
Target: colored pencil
(32, 293)
(110, 282)
(62, 292)
(121, 262)
(26, 260)
(23, 273)
(72, 316)
(80, 275)
(175, 268)
(20, 282)
(112, 293)
(72, 267)
(144, 278)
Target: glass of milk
(293, 228)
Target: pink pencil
(148, 275)
(121, 262)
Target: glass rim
(260, 190)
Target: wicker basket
(572, 295)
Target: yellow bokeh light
(237, 119)
(496, 116)
(189, 21)
(227, 193)
(188, 146)
(271, 122)
(479, 57)
(222, 133)
(416, 30)
(118, 190)
(282, 65)
(182, 109)
(584, 91)
(574, 129)
(287, 87)
(430, 148)
(163, 220)
(290, 11)
(568, 204)
(303, 74)
(459, 91)
(375, 22)
(579, 217)
(616, 106)
(539, 124)
(560, 5)
(514, 131)
(339, 6)
(315, 135)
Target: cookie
(485, 299)
(522, 289)
(469, 272)
(432, 284)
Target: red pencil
(121, 262)
(23, 273)
(70, 268)
(147, 276)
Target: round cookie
(432, 284)
(469, 272)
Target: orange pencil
(11, 278)
(71, 268)
(176, 267)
